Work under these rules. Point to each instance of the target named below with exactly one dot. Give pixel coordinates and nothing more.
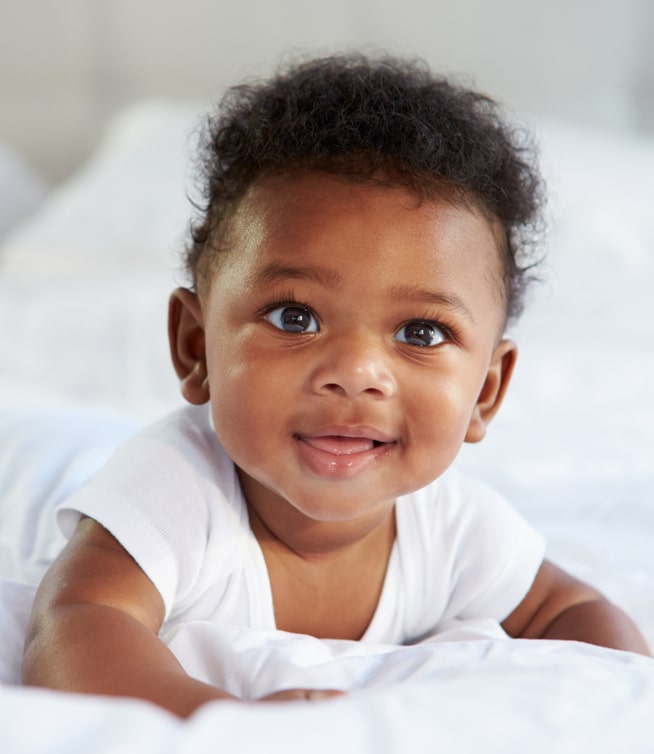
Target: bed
(85, 270)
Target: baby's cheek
(438, 436)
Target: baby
(366, 237)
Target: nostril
(333, 387)
(353, 372)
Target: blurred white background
(66, 66)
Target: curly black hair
(363, 118)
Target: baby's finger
(309, 695)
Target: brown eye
(293, 319)
(422, 334)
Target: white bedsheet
(465, 697)
(464, 692)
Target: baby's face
(349, 336)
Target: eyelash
(286, 301)
(290, 300)
(450, 331)
(445, 331)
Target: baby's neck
(319, 541)
(326, 586)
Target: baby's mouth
(339, 445)
(342, 452)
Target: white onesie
(171, 497)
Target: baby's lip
(340, 440)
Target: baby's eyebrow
(415, 293)
(330, 278)
(275, 271)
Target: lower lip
(330, 465)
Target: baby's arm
(559, 606)
(94, 629)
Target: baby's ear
(186, 339)
(493, 390)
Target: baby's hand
(308, 695)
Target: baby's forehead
(287, 219)
(302, 207)
(280, 200)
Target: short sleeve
(161, 495)
(496, 553)
(462, 552)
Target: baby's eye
(293, 319)
(422, 334)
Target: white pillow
(601, 237)
(127, 204)
(84, 282)
(22, 188)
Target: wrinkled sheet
(463, 693)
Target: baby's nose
(354, 365)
